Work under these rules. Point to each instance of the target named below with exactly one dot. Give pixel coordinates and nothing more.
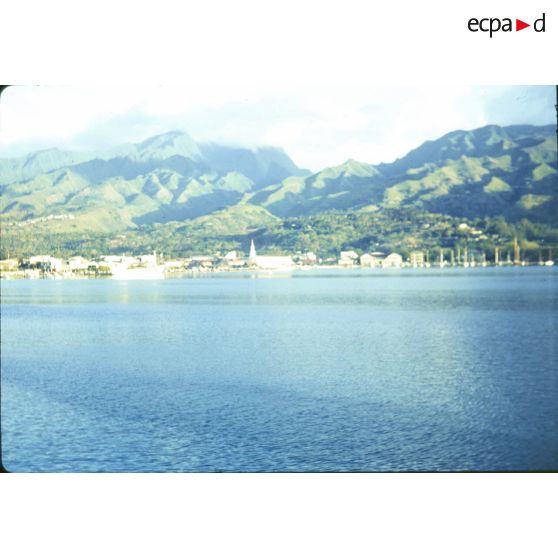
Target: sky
(317, 127)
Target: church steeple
(252, 251)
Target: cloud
(317, 126)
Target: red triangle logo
(519, 25)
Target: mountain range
(488, 172)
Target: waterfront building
(309, 258)
(233, 260)
(393, 260)
(78, 263)
(239, 262)
(48, 263)
(416, 259)
(371, 260)
(201, 262)
(348, 258)
(366, 260)
(9, 265)
(148, 259)
(268, 262)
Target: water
(318, 371)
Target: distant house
(148, 259)
(393, 260)
(348, 258)
(349, 255)
(309, 258)
(371, 260)
(78, 263)
(9, 265)
(239, 262)
(48, 263)
(233, 260)
(201, 262)
(417, 259)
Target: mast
(516, 252)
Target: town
(156, 266)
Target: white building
(78, 263)
(53, 264)
(309, 258)
(348, 258)
(393, 260)
(149, 260)
(417, 259)
(371, 260)
(268, 262)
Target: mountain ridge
(487, 172)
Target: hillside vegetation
(177, 196)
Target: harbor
(155, 266)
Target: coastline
(190, 273)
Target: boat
(122, 273)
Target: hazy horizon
(316, 129)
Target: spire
(252, 250)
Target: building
(47, 263)
(348, 258)
(148, 260)
(252, 257)
(201, 262)
(232, 260)
(393, 260)
(77, 263)
(308, 258)
(268, 262)
(9, 265)
(372, 260)
(417, 259)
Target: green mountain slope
(175, 195)
(486, 172)
(165, 178)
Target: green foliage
(400, 230)
(171, 195)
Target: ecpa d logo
(492, 25)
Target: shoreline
(54, 276)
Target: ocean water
(410, 370)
